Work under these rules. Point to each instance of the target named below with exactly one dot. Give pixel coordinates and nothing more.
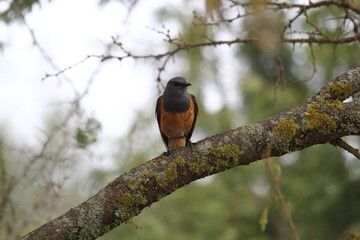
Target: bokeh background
(72, 121)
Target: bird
(176, 113)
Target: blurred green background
(322, 183)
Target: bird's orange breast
(176, 125)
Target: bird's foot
(191, 144)
(167, 153)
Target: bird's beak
(187, 84)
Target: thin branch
(347, 147)
(285, 5)
(279, 76)
(200, 21)
(313, 58)
(182, 46)
(317, 36)
(62, 71)
(214, 43)
(312, 40)
(47, 57)
(285, 207)
(317, 29)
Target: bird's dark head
(176, 97)
(177, 85)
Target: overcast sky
(68, 31)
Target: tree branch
(300, 29)
(183, 46)
(284, 5)
(322, 119)
(285, 207)
(344, 145)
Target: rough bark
(321, 119)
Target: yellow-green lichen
(167, 176)
(286, 129)
(312, 108)
(133, 183)
(142, 189)
(216, 159)
(228, 151)
(199, 165)
(126, 199)
(221, 157)
(141, 178)
(318, 98)
(144, 177)
(334, 104)
(298, 141)
(340, 89)
(180, 162)
(320, 122)
(140, 197)
(126, 207)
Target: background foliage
(321, 183)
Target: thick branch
(322, 119)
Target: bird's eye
(176, 84)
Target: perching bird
(176, 113)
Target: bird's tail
(177, 142)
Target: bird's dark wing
(158, 108)
(195, 117)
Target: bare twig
(285, 207)
(318, 33)
(47, 57)
(287, 5)
(46, 158)
(200, 21)
(187, 46)
(315, 26)
(313, 61)
(280, 71)
(62, 71)
(347, 147)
